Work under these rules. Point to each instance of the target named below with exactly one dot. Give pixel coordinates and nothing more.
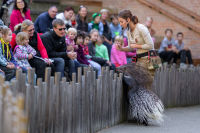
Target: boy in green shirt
(101, 50)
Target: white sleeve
(144, 32)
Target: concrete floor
(177, 120)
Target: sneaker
(5, 6)
(191, 65)
(183, 66)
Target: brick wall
(161, 22)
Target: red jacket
(17, 18)
(40, 45)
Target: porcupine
(143, 104)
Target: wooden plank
(19, 78)
(39, 98)
(28, 103)
(44, 97)
(83, 89)
(32, 115)
(65, 109)
(74, 126)
(97, 100)
(113, 101)
(99, 125)
(61, 106)
(173, 73)
(31, 77)
(51, 109)
(104, 98)
(57, 102)
(36, 108)
(47, 80)
(23, 83)
(121, 95)
(69, 109)
(78, 110)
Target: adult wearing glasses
(35, 42)
(54, 41)
(44, 20)
(19, 14)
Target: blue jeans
(25, 70)
(95, 65)
(59, 64)
(73, 66)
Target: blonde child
(71, 34)
(23, 51)
(118, 57)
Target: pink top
(129, 54)
(17, 18)
(118, 56)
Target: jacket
(3, 61)
(17, 18)
(81, 56)
(55, 45)
(21, 54)
(102, 51)
(118, 56)
(61, 16)
(43, 22)
(100, 27)
(83, 26)
(34, 41)
(108, 34)
(115, 30)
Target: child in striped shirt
(71, 34)
(23, 51)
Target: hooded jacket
(115, 30)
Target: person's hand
(110, 42)
(76, 46)
(18, 67)
(30, 56)
(118, 47)
(2, 71)
(186, 48)
(47, 61)
(28, 67)
(72, 55)
(70, 48)
(90, 65)
(109, 63)
(10, 65)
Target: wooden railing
(192, 14)
(85, 106)
(162, 11)
(177, 87)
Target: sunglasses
(62, 29)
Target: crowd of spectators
(65, 41)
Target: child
(71, 34)
(73, 20)
(115, 27)
(80, 54)
(6, 65)
(96, 23)
(86, 53)
(118, 57)
(94, 33)
(101, 50)
(148, 24)
(167, 51)
(183, 51)
(23, 51)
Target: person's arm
(152, 31)
(13, 41)
(14, 20)
(51, 53)
(147, 38)
(12, 60)
(19, 55)
(41, 48)
(31, 50)
(3, 61)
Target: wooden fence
(57, 106)
(177, 87)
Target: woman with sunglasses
(81, 19)
(19, 13)
(34, 41)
